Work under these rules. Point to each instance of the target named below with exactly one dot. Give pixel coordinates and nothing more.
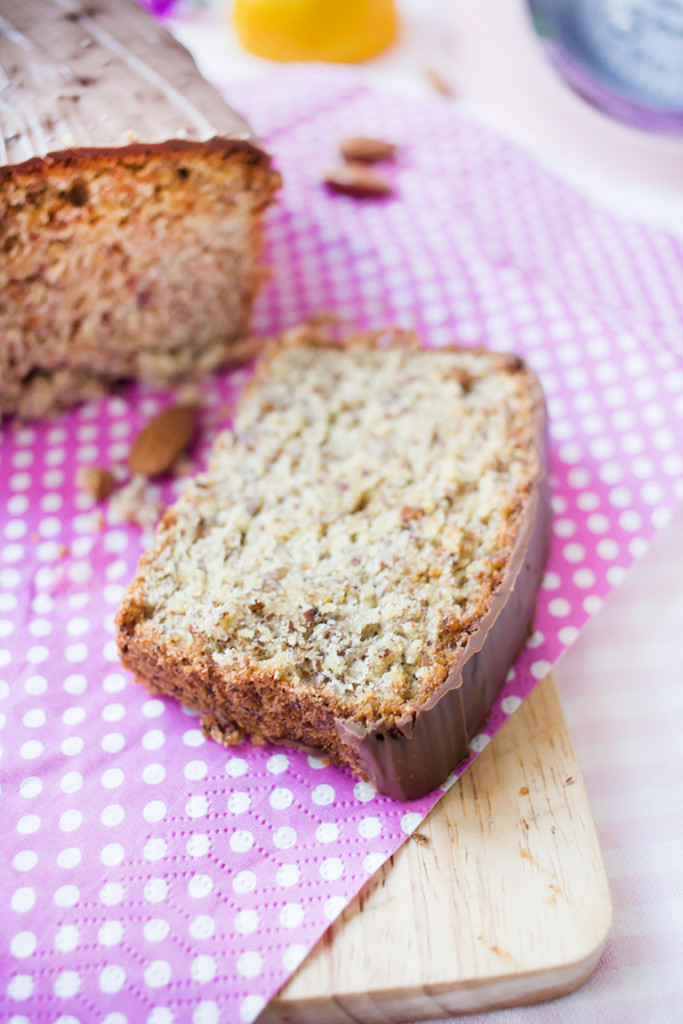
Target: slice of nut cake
(358, 567)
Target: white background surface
(631, 654)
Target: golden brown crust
(255, 706)
(96, 160)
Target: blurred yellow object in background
(328, 30)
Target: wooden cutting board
(500, 900)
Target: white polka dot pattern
(153, 866)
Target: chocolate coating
(419, 751)
(102, 76)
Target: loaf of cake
(357, 569)
(131, 200)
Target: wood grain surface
(501, 900)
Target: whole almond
(96, 481)
(365, 149)
(162, 441)
(354, 179)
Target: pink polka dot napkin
(150, 875)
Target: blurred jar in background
(328, 30)
(623, 56)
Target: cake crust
(415, 678)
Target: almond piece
(354, 179)
(242, 351)
(162, 441)
(439, 83)
(96, 481)
(365, 149)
